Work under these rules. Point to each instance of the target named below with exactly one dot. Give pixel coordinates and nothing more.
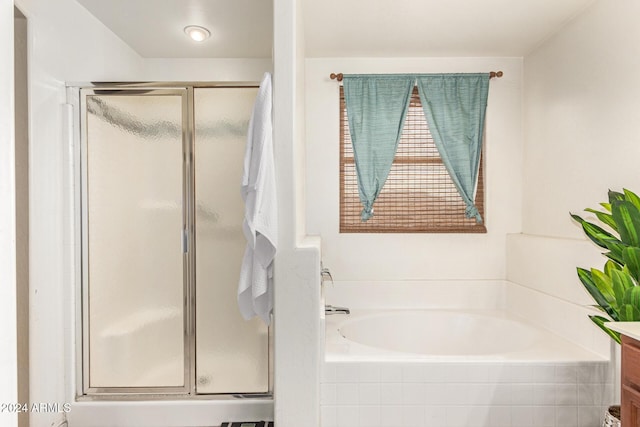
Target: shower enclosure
(161, 237)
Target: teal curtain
(376, 108)
(455, 106)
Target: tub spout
(329, 309)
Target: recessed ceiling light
(197, 33)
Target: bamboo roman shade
(418, 196)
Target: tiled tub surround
(555, 384)
(464, 394)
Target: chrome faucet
(325, 273)
(329, 309)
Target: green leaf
(604, 284)
(600, 321)
(606, 218)
(596, 294)
(632, 197)
(610, 265)
(631, 258)
(621, 281)
(629, 313)
(607, 206)
(616, 248)
(632, 297)
(597, 235)
(627, 218)
(615, 195)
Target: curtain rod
(492, 74)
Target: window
(418, 196)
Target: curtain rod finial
(335, 76)
(495, 74)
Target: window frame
(458, 225)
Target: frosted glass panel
(135, 261)
(231, 353)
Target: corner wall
(417, 256)
(297, 265)
(581, 115)
(8, 338)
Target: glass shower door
(162, 243)
(134, 265)
(231, 353)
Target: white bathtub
(412, 358)
(444, 334)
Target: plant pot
(612, 417)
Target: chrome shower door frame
(84, 388)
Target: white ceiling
(432, 27)
(154, 28)
(339, 28)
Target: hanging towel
(260, 226)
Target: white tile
(328, 416)
(328, 373)
(457, 394)
(369, 416)
(480, 394)
(567, 416)
(500, 415)
(435, 373)
(369, 394)
(522, 394)
(413, 416)
(413, 394)
(347, 416)
(434, 394)
(413, 373)
(544, 374)
(592, 373)
(522, 416)
(369, 373)
(456, 373)
(566, 394)
(591, 394)
(390, 416)
(347, 394)
(566, 374)
(607, 398)
(390, 373)
(589, 416)
(501, 394)
(479, 373)
(347, 372)
(498, 374)
(544, 394)
(544, 416)
(391, 393)
(458, 416)
(435, 416)
(328, 394)
(519, 374)
(479, 416)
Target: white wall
(415, 256)
(8, 342)
(581, 116)
(297, 268)
(67, 44)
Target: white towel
(260, 226)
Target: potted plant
(616, 288)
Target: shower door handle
(185, 241)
